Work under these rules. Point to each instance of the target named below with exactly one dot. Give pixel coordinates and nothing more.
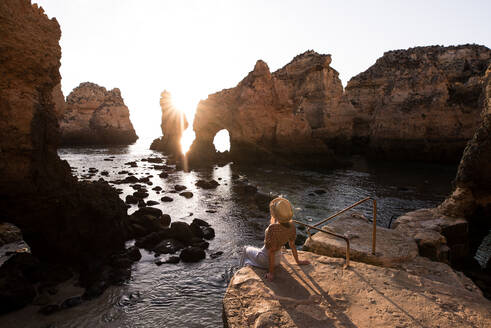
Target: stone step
(392, 247)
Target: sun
(186, 103)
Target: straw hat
(281, 209)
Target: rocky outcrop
(68, 225)
(453, 231)
(323, 294)
(471, 199)
(472, 195)
(95, 116)
(9, 233)
(62, 220)
(420, 104)
(273, 114)
(439, 238)
(174, 123)
(59, 101)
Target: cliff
(421, 103)
(453, 231)
(63, 221)
(95, 116)
(273, 114)
(473, 180)
(415, 104)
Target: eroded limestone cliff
(419, 104)
(416, 104)
(453, 231)
(94, 115)
(273, 113)
(62, 220)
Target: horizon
(193, 49)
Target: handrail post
(374, 232)
(347, 253)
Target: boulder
(155, 212)
(181, 231)
(186, 194)
(196, 229)
(208, 232)
(201, 223)
(130, 199)
(165, 219)
(192, 254)
(179, 187)
(9, 233)
(168, 246)
(212, 184)
(173, 260)
(428, 228)
(152, 239)
(140, 194)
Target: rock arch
(221, 141)
(273, 114)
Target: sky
(194, 48)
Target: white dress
(258, 257)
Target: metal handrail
(374, 230)
(332, 234)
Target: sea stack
(96, 116)
(173, 124)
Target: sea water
(190, 294)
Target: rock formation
(323, 294)
(472, 195)
(59, 101)
(173, 125)
(267, 113)
(62, 220)
(419, 104)
(95, 116)
(453, 231)
(274, 113)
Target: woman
(280, 230)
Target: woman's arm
(295, 253)
(271, 260)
